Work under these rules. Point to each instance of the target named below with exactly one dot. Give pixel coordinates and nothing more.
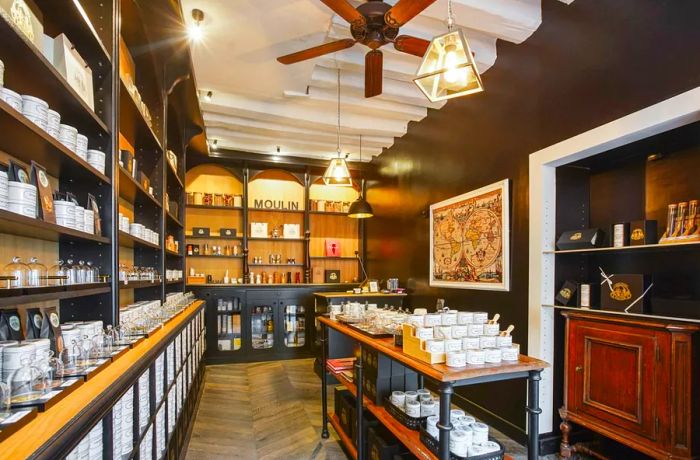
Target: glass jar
(18, 273)
(38, 273)
(57, 274)
(5, 399)
(27, 383)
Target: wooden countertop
(47, 424)
(335, 295)
(439, 372)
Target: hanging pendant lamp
(360, 208)
(448, 68)
(337, 172)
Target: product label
(38, 319)
(53, 317)
(576, 236)
(14, 323)
(621, 292)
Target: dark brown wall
(589, 63)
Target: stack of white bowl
(22, 198)
(160, 431)
(36, 111)
(11, 98)
(53, 126)
(97, 159)
(79, 218)
(160, 368)
(171, 411)
(128, 421)
(3, 344)
(137, 230)
(144, 400)
(65, 213)
(95, 442)
(146, 453)
(123, 223)
(13, 357)
(68, 136)
(4, 191)
(81, 146)
(89, 221)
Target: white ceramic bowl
(13, 99)
(81, 146)
(33, 107)
(22, 209)
(20, 192)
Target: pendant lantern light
(360, 208)
(337, 172)
(448, 68)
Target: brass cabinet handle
(579, 368)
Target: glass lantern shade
(448, 69)
(338, 173)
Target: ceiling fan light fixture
(448, 69)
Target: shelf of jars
(133, 192)
(144, 136)
(130, 241)
(212, 207)
(17, 224)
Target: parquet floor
(262, 411)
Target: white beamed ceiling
(259, 104)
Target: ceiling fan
(373, 24)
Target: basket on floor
(433, 445)
(406, 420)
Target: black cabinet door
(263, 319)
(293, 324)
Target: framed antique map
(469, 240)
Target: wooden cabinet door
(612, 375)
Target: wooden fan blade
(374, 63)
(346, 11)
(404, 11)
(411, 45)
(316, 51)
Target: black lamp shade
(360, 209)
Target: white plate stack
(22, 198)
(96, 159)
(160, 431)
(65, 213)
(11, 98)
(36, 111)
(128, 421)
(81, 146)
(54, 123)
(89, 221)
(137, 230)
(95, 443)
(3, 344)
(68, 136)
(144, 400)
(171, 411)
(123, 223)
(117, 420)
(159, 377)
(12, 357)
(79, 219)
(4, 191)
(146, 452)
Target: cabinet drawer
(612, 376)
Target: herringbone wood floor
(268, 410)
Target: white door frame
(666, 115)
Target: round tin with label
(492, 329)
(459, 443)
(398, 398)
(413, 408)
(442, 332)
(492, 355)
(424, 333)
(448, 318)
(487, 341)
(510, 353)
(465, 317)
(456, 359)
(475, 356)
(470, 342)
(453, 345)
(504, 341)
(481, 433)
(11, 98)
(476, 330)
(459, 331)
(433, 319)
(435, 346)
(481, 317)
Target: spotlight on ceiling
(194, 31)
(213, 144)
(208, 95)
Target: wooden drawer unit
(633, 381)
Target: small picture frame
(373, 286)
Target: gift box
(126, 158)
(291, 231)
(74, 69)
(258, 229)
(566, 294)
(332, 276)
(643, 232)
(332, 248)
(624, 292)
(227, 232)
(26, 17)
(581, 239)
(200, 231)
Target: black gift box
(368, 421)
(581, 239)
(200, 231)
(227, 232)
(195, 249)
(622, 290)
(566, 294)
(381, 444)
(643, 232)
(127, 160)
(340, 393)
(332, 276)
(346, 415)
(144, 181)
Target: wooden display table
(70, 416)
(448, 378)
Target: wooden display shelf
(23, 59)
(144, 136)
(287, 211)
(82, 32)
(220, 208)
(170, 252)
(139, 284)
(133, 192)
(21, 418)
(333, 258)
(215, 257)
(16, 224)
(336, 295)
(687, 245)
(129, 241)
(172, 173)
(439, 372)
(173, 220)
(274, 265)
(214, 237)
(286, 240)
(171, 282)
(408, 437)
(18, 296)
(344, 438)
(329, 213)
(628, 315)
(48, 425)
(29, 142)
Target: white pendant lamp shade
(448, 69)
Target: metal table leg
(444, 424)
(359, 405)
(324, 381)
(533, 415)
